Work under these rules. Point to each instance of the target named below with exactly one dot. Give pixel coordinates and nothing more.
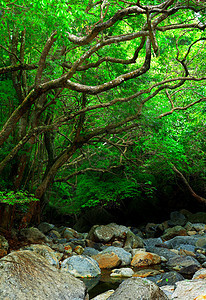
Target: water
(105, 282)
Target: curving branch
(177, 108)
(119, 15)
(43, 57)
(18, 67)
(110, 59)
(188, 187)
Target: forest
(102, 105)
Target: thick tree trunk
(188, 187)
(35, 207)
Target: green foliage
(19, 197)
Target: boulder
(50, 255)
(144, 259)
(147, 273)
(184, 264)
(133, 241)
(33, 235)
(138, 289)
(26, 275)
(4, 246)
(107, 260)
(200, 274)
(123, 255)
(45, 227)
(177, 218)
(199, 217)
(90, 251)
(104, 296)
(123, 272)
(190, 289)
(54, 234)
(199, 227)
(69, 233)
(152, 242)
(81, 266)
(168, 278)
(174, 231)
(201, 243)
(181, 240)
(78, 250)
(105, 233)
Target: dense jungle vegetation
(102, 103)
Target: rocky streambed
(115, 262)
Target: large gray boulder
(81, 266)
(50, 255)
(184, 264)
(45, 227)
(33, 235)
(133, 241)
(138, 289)
(106, 233)
(26, 275)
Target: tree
(95, 70)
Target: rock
(90, 251)
(81, 266)
(200, 274)
(45, 227)
(118, 244)
(147, 272)
(186, 247)
(145, 259)
(51, 256)
(54, 234)
(189, 289)
(201, 258)
(57, 247)
(186, 253)
(189, 226)
(69, 233)
(138, 289)
(107, 260)
(4, 246)
(79, 250)
(172, 232)
(167, 253)
(177, 218)
(184, 264)
(105, 233)
(168, 290)
(68, 249)
(33, 235)
(152, 242)
(199, 217)
(133, 241)
(199, 226)
(181, 240)
(123, 272)
(103, 296)
(201, 243)
(26, 275)
(123, 255)
(151, 230)
(168, 278)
